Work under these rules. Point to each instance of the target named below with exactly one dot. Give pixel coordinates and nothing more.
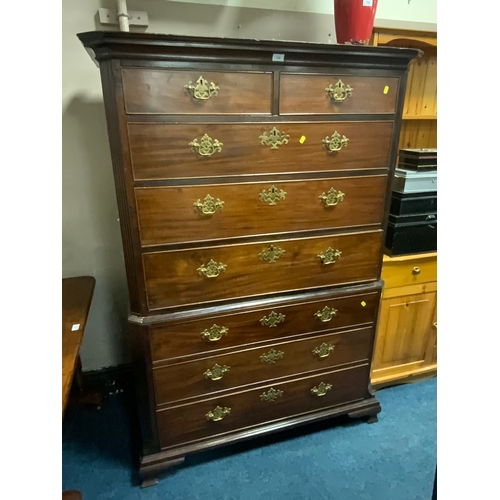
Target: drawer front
(404, 271)
(222, 332)
(307, 94)
(162, 91)
(200, 213)
(165, 151)
(196, 276)
(190, 422)
(218, 373)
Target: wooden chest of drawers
(252, 181)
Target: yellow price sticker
(386, 89)
(302, 139)
(363, 303)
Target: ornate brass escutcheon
(212, 269)
(271, 395)
(273, 319)
(324, 350)
(209, 205)
(272, 356)
(202, 90)
(274, 139)
(271, 254)
(332, 198)
(326, 314)
(214, 333)
(330, 256)
(207, 146)
(217, 372)
(335, 143)
(218, 413)
(272, 195)
(321, 389)
(339, 92)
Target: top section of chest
(185, 76)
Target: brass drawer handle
(335, 143)
(218, 413)
(274, 139)
(415, 270)
(202, 90)
(271, 254)
(207, 146)
(330, 256)
(324, 350)
(214, 333)
(326, 314)
(212, 269)
(209, 205)
(273, 319)
(321, 389)
(217, 372)
(340, 92)
(272, 356)
(271, 395)
(332, 198)
(272, 195)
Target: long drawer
(217, 373)
(175, 150)
(200, 213)
(220, 332)
(166, 91)
(236, 411)
(200, 275)
(323, 94)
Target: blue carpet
(393, 459)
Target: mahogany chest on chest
(253, 180)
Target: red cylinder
(354, 20)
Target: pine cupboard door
(433, 351)
(406, 335)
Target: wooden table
(76, 299)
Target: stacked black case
(412, 226)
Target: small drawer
(165, 91)
(210, 375)
(180, 214)
(193, 150)
(206, 274)
(208, 335)
(234, 411)
(337, 94)
(409, 270)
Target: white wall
(91, 234)
(401, 12)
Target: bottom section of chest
(209, 378)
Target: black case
(407, 219)
(418, 159)
(413, 203)
(411, 234)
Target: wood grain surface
(168, 214)
(163, 151)
(158, 91)
(173, 279)
(76, 299)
